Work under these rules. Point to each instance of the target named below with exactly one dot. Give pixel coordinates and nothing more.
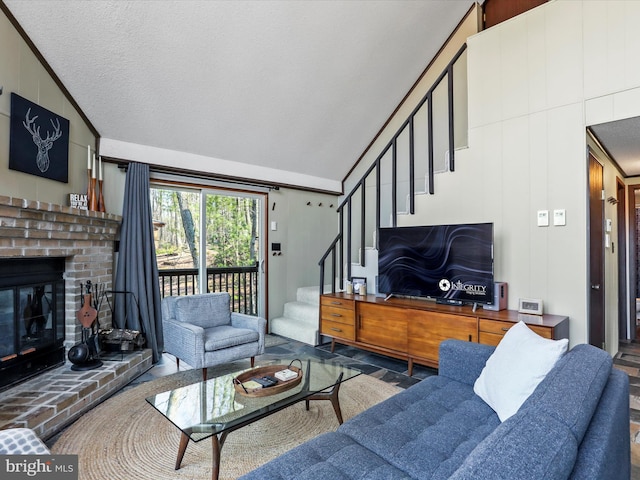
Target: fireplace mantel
(84, 238)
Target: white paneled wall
(535, 83)
(526, 102)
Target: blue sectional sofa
(575, 425)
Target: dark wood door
(497, 11)
(596, 254)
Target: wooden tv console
(412, 329)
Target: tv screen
(450, 262)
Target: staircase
(300, 318)
(424, 145)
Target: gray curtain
(137, 297)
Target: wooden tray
(262, 371)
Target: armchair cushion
(204, 310)
(225, 336)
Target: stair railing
(338, 247)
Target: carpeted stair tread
(295, 329)
(300, 318)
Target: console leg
(333, 344)
(410, 367)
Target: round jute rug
(126, 438)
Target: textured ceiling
(283, 91)
(621, 139)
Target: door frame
(596, 334)
(624, 318)
(633, 260)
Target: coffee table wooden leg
(184, 441)
(335, 402)
(332, 396)
(215, 447)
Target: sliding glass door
(227, 226)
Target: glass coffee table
(213, 408)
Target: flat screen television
(452, 263)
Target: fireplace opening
(32, 310)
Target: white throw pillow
(513, 371)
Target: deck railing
(240, 282)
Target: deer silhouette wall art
(43, 144)
(39, 140)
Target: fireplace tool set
(85, 355)
(95, 340)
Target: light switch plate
(543, 218)
(560, 217)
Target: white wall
(535, 83)
(304, 232)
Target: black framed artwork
(38, 141)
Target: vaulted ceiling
(282, 91)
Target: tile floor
(385, 368)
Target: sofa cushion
(427, 430)
(329, 456)
(529, 445)
(572, 390)
(606, 441)
(205, 310)
(519, 363)
(225, 336)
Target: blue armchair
(202, 331)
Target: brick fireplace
(82, 241)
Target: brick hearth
(51, 401)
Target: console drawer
(337, 330)
(337, 302)
(338, 315)
(492, 331)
